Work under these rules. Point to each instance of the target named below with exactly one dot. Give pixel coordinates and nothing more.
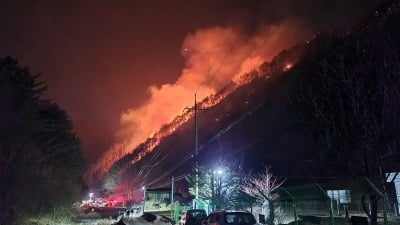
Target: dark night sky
(99, 57)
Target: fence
(283, 212)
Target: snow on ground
(132, 219)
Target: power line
(195, 106)
(273, 31)
(224, 131)
(217, 56)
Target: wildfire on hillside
(214, 57)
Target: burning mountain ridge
(255, 116)
(214, 57)
(170, 149)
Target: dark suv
(228, 217)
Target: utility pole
(172, 198)
(196, 149)
(212, 187)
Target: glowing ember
(288, 66)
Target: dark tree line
(350, 101)
(41, 164)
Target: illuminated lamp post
(219, 174)
(90, 196)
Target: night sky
(100, 57)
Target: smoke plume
(214, 57)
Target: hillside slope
(260, 122)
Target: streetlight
(219, 173)
(90, 196)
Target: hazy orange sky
(100, 57)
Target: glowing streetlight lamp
(218, 173)
(90, 196)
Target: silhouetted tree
(262, 187)
(111, 180)
(40, 156)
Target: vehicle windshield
(239, 218)
(196, 214)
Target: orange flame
(214, 57)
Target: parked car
(229, 217)
(193, 217)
